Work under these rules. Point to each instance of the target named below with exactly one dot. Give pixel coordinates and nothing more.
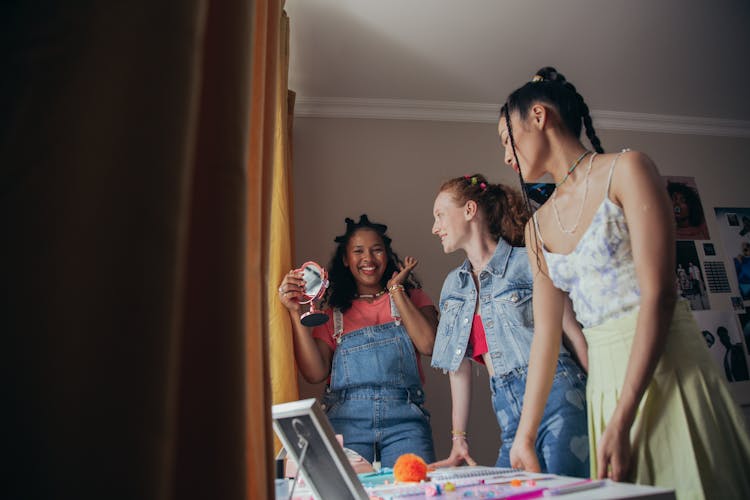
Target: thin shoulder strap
(612, 168)
(536, 228)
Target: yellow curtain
(268, 240)
(281, 358)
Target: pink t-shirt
(363, 314)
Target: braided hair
(502, 206)
(550, 87)
(343, 288)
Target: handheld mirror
(316, 282)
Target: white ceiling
(665, 57)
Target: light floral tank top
(599, 274)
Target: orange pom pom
(409, 468)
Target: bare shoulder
(636, 163)
(635, 172)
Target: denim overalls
(375, 397)
(505, 307)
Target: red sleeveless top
(478, 339)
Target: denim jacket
(504, 305)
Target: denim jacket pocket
(450, 307)
(515, 305)
(447, 332)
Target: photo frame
(308, 438)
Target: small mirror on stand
(316, 282)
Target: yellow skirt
(689, 433)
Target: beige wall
(391, 169)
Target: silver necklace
(583, 202)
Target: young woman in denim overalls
(379, 323)
(486, 316)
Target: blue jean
(384, 422)
(562, 445)
(375, 397)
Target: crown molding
(671, 124)
(447, 111)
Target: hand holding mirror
(316, 282)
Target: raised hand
(404, 270)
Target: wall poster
(734, 226)
(689, 216)
(689, 277)
(727, 345)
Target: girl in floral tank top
(606, 237)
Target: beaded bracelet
(392, 289)
(456, 435)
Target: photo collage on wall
(706, 278)
(690, 224)
(734, 227)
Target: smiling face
(451, 224)
(366, 257)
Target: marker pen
(587, 484)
